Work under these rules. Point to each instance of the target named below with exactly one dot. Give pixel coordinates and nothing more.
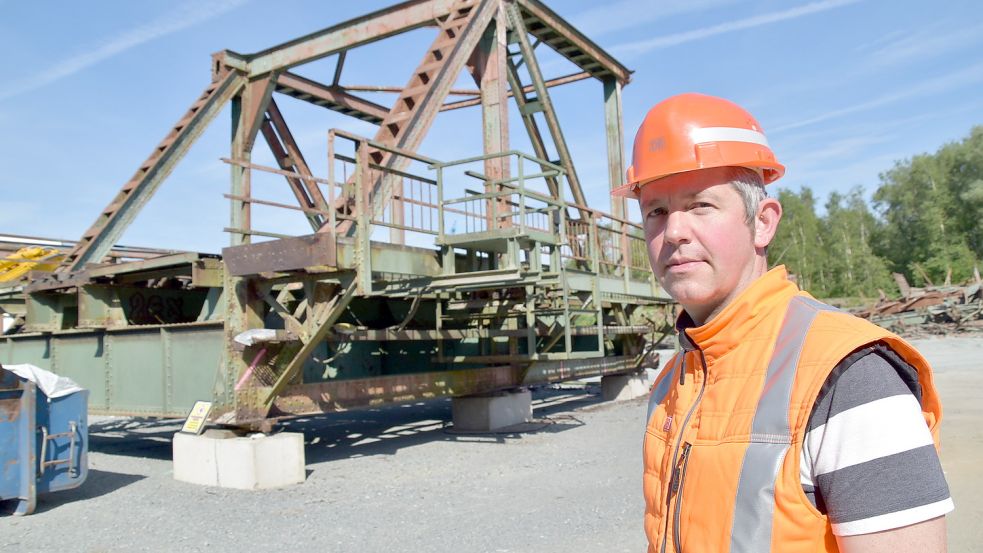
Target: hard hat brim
(771, 171)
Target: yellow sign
(195, 422)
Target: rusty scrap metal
(929, 310)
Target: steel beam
(347, 394)
(349, 34)
(339, 65)
(380, 88)
(332, 97)
(415, 110)
(615, 141)
(570, 43)
(290, 159)
(169, 261)
(528, 88)
(466, 333)
(128, 202)
(247, 118)
(324, 317)
(288, 254)
(529, 120)
(543, 97)
(295, 159)
(488, 67)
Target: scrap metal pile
(929, 310)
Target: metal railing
(384, 196)
(607, 245)
(370, 199)
(503, 203)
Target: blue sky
(843, 88)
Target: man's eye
(657, 212)
(701, 205)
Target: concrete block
(491, 412)
(254, 462)
(623, 386)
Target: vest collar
(725, 331)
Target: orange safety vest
(728, 414)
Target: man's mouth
(676, 265)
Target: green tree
(932, 205)
(962, 165)
(853, 267)
(799, 242)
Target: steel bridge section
(420, 278)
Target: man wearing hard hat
(782, 424)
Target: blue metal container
(43, 441)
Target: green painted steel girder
(347, 35)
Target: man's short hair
(751, 186)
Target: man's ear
(766, 222)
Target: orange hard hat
(695, 131)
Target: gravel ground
(958, 364)
(378, 480)
(396, 479)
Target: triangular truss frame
(488, 38)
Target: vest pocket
(703, 507)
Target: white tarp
(255, 336)
(50, 383)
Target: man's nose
(677, 227)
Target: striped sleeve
(868, 460)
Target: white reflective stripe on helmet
(727, 134)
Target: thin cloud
(844, 148)
(880, 41)
(641, 46)
(925, 43)
(184, 16)
(849, 160)
(838, 177)
(626, 14)
(840, 143)
(956, 79)
(823, 134)
(900, 47)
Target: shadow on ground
(386, 430)
(97, 483)
(358, 433)
(135, 437)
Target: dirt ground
(397, 479)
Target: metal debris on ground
(931, 310)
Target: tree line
(924, 222)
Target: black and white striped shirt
(868, 460)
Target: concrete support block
(491, 412)
(220, 458)
(623, 386)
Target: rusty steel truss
(420, 278)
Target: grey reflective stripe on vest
(771, 436)
(660, 391)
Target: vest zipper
(680, 482)
(676, 461)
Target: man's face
(699, 243)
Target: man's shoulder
(838, 333)
(868, 456)
(869, 374)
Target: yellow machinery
(25, 260)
